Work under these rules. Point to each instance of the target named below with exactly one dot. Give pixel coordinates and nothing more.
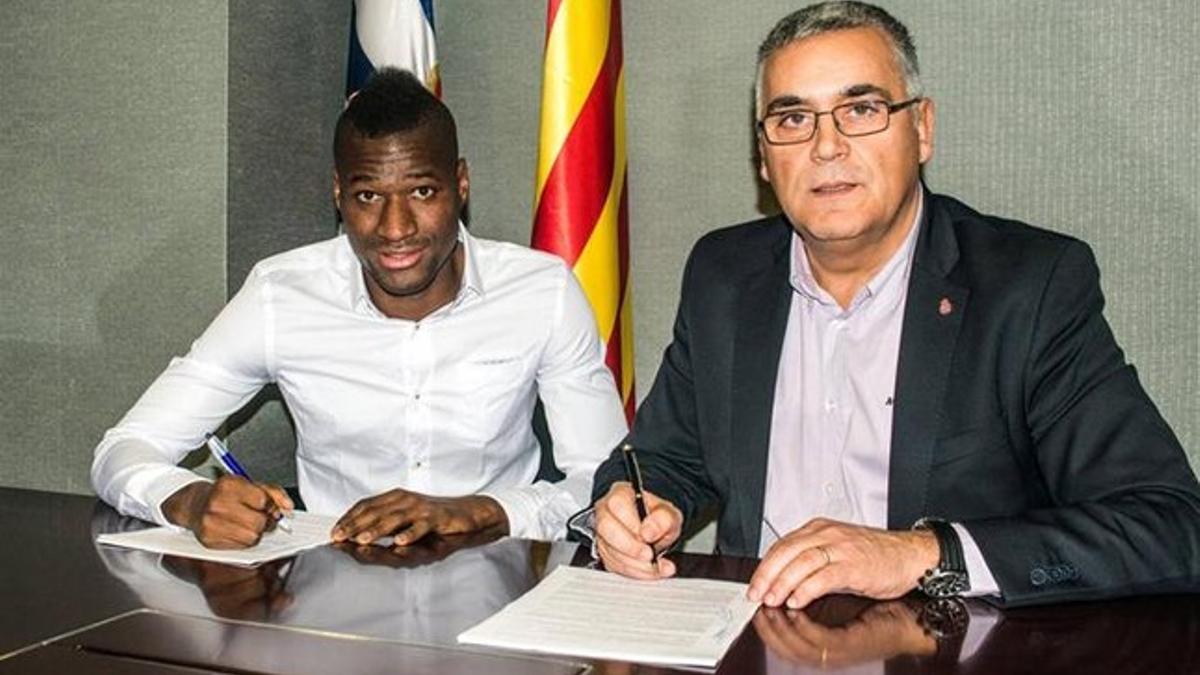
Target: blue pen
(226, 459)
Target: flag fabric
(396, 33)
(581, 204)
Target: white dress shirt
(440, 406)
(831, 425)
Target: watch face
(944, 583)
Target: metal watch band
(949, 578)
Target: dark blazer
(1015, 412)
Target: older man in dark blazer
(884, 390)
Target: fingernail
(365, 538)
(769, 599)
(338, 535)
(793, 603)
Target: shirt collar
(472, 281)
(895, 271)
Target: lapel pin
(945, 307)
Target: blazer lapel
(932, 318)
(765, 299)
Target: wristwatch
(949, 578)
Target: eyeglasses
(857, 118)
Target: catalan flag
(396, 33)
(581, 210)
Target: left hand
(825, 556)
(411, 515)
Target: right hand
(229, 513)
(624, 541)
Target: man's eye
(424, 192)
(795, 118)
(864, 109)
(366, 196)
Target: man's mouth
(834, 188)
(402, 259)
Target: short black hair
(394, 101)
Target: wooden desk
(312, 614)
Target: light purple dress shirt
(831, 425)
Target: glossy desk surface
(372, 610)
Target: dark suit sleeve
(1125, 507)
(665, 433)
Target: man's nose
(395, 220)
(828, 142)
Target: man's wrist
(487, 513)
(928, 550)
(182, 506)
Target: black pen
(634, 474)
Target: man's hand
(410, 516)
(229, 513)
(825, 556)
(624, 541)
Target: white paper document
(308, 531)
(588, 613)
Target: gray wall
(149, 165)
(112, 224)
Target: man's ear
(925, 127)
(762, 162)
(337, 189)
(463, 175)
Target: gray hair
(825, 17)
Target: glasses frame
(891, 108)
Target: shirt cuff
(982, 581)
(522, 510)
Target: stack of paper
(599, 615)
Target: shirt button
(417, 396)
(830, 488)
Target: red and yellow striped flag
(581, 210)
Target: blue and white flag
(397, 33)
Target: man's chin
(831, 230)
(412, 283)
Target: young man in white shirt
(410, 355)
